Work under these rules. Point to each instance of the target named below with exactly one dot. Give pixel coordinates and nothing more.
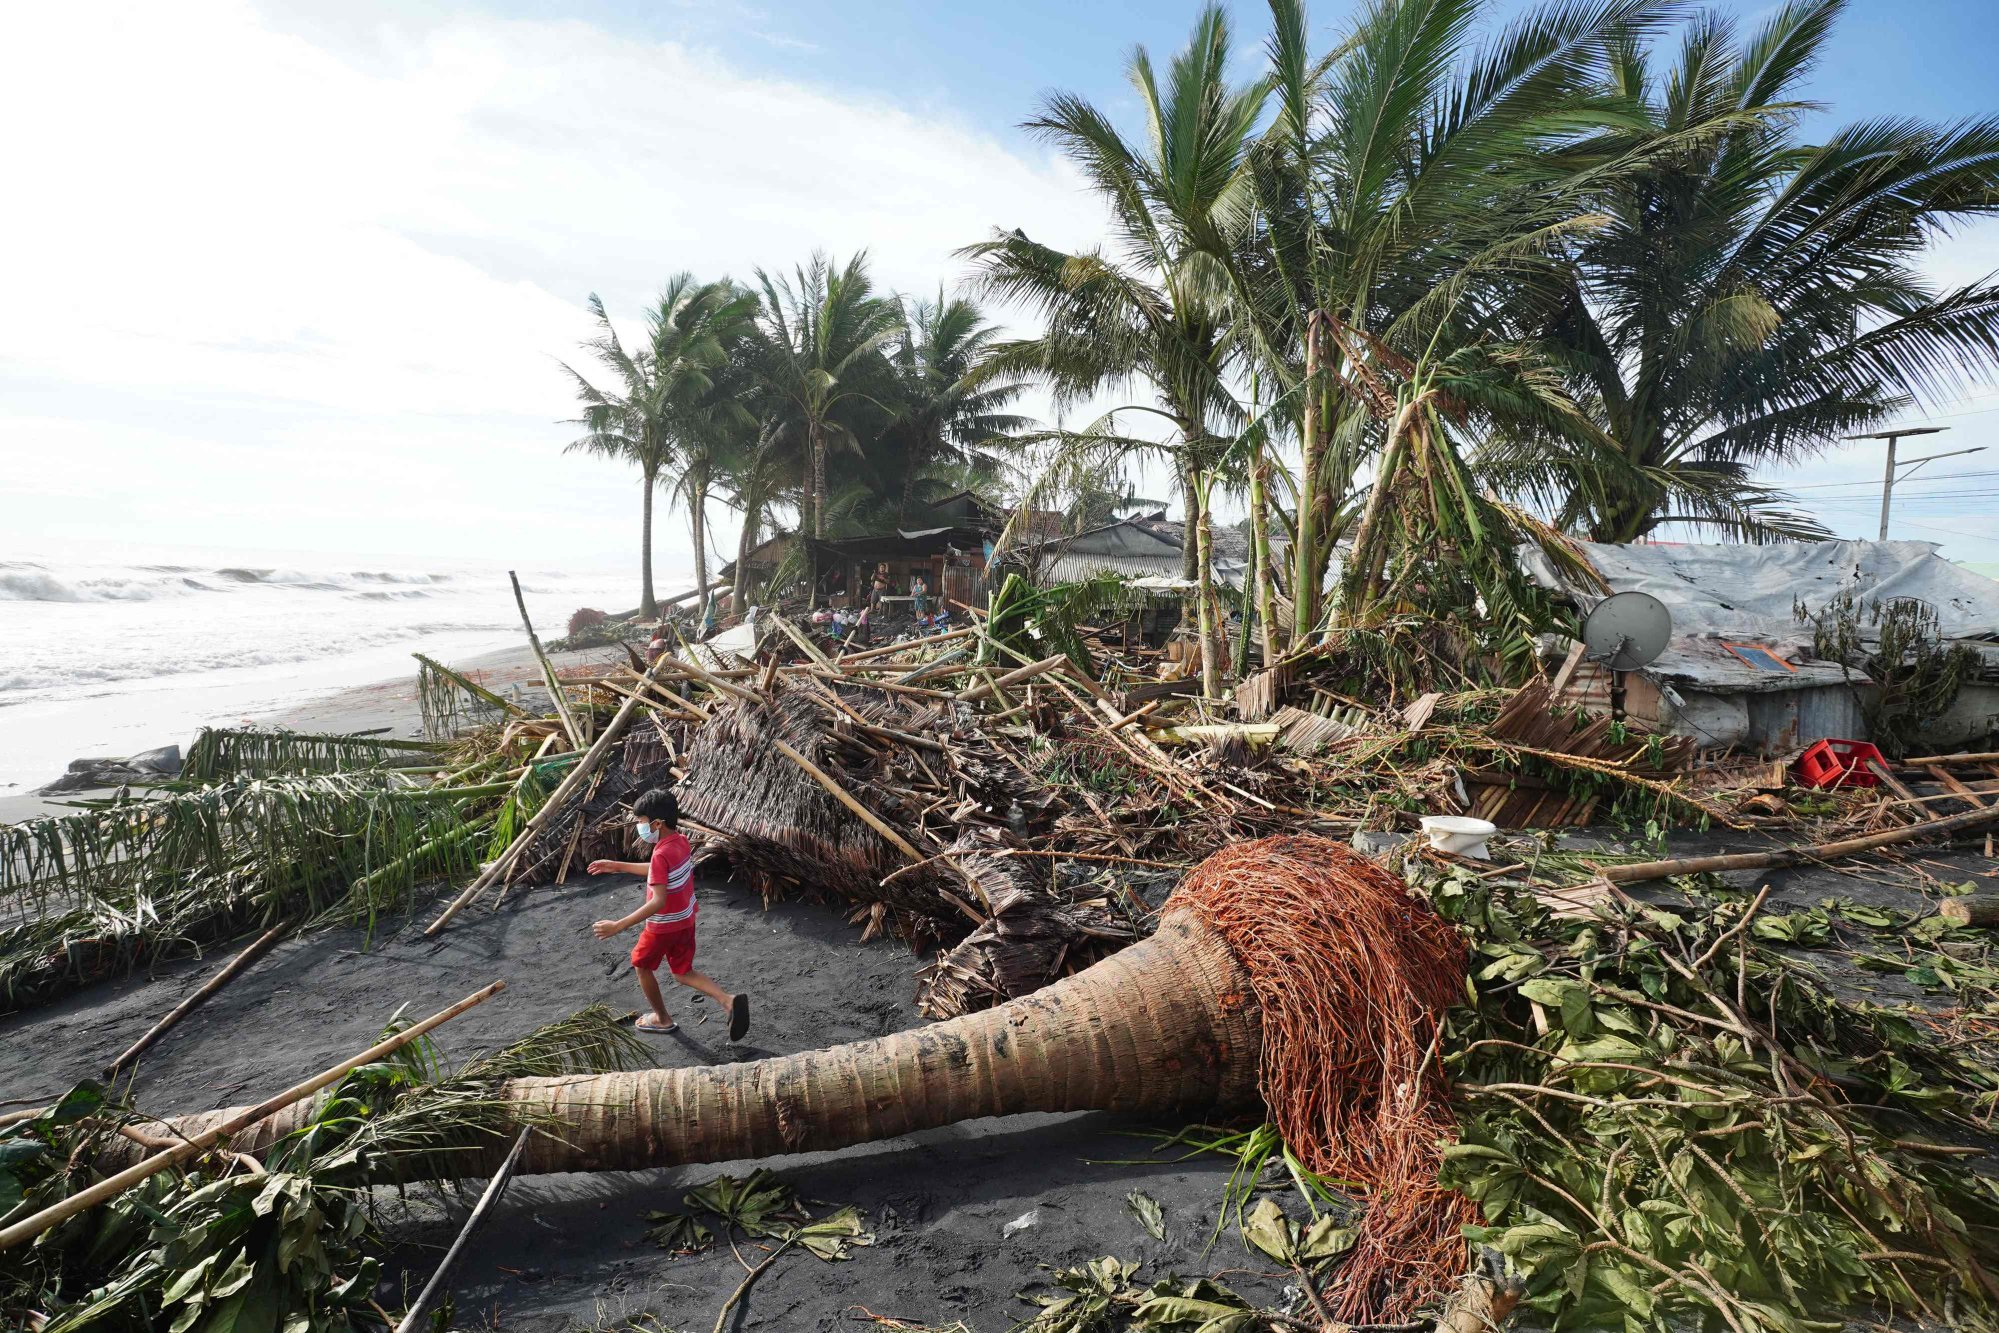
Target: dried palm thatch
(778, 820)
(1353, 975)
(1037, 931)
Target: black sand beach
(567, 1252)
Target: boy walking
(669, 913)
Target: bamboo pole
(61, 1211)
(1790, 856)
(495, 1187)
(797, 636)
(548, 676)
(584, 767)
(840, 794)
(256, 949)
(1014, 677)
(886, 650)
(1978, 757)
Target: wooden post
(61, 1211)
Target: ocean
(100, 658)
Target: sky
(299, 276)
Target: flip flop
(739, 1016)
(655, 1026)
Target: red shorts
(674, 944)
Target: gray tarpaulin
(1749, 590)
(1745, 595)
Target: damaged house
(1739, 668)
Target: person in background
(919, 593)
(879, 589)
(669, 914)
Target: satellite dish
(1627, 630)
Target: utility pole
(1888, 477)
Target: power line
(1934, 476)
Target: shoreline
(389, 702)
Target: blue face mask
(647, 833)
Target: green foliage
(762, 1207)
(136, 880)
(1103, 1295)
(220, 753)
(1706, 1133)
(218, 1249)
(1897, 644)
(1040, 622)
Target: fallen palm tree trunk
(1290, 967)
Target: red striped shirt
(673, 866)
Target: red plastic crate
(1838, 763)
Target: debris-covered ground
(1750, 1092)
(570, 1252)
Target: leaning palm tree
(951, 414)
(822, 335)
(1753, 297)
(663, 397)
(1152, 308)
(1411, 195)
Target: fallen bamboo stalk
(844, 797)
(63, 1209)
(1970, 757)
(1790, 856)
(584, 768)
(1256, 733)
(1011, 678)
(1143, 711)
(256, 949)
(832, 700)
(495, 1187)
(658, 696)
(797, 636)
(914, 691)
(709, 678)
(548, 676)
(847, 659)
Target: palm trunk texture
(1167, 1027)
(648, 605)
(1306, 557)
(698, 520)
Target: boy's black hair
(659, 805)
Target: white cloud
(318, 277)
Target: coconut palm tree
(662, 398)
(822, 335)
(1151, 308)
(1412, 192)
(1752, 297)
(952, 413)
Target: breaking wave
(26, 581)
